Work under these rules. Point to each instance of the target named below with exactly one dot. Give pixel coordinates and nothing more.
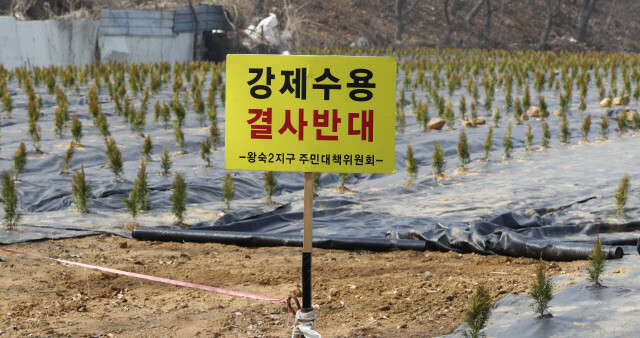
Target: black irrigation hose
(261, 239)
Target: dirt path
(359, 294)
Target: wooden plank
(308, 212)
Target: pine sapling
(81, 190)
(635, 121)
(541, 291)
(165, 161)
(546, 134)
(529, 138)
(412, 166)
(478, 313)
(114, 158)
(586, 126)
(147, 148)
(496, 116)
(177, 131)
(132, 204)
(140, 186)
(488, 143)
(343, 178)
(506, 142)
(19, 160)
(66, 159)
(463, 150)
(437, 159)
(179, 198)
(76, 129)
(622, 123)
(205, 151)
(228, 191)
(316, 183)
(597, 259)
(9, 201)
(621, 194)
(565, 132)
(270, 185)
(36, 135)
(604, 126)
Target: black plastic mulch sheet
(515, 206)
(578, 309)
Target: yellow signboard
(310, 113)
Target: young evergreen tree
(114, 158)
(506, 142)
(36, 135)
(463, 150)
(66, 159)
(622, 123)
(214, 134)
(81, 190)
(316, 183)
(147, 148)
(621, 194)
(604, 126)
(205, 152)
(597, 259)
(541, 291)
(586, 126)
(19, 160)
(140, 186)
(496, 116)
(478, 313)
(412, 165)
(546, 134)
(529, 138)
(228, 190)
(76, 129)
(165, 161)
(132, 204)
(565, 132)
(270, 185)
(343, 178)
(9, 201)
(437, 159)
(179, 198)
(449, 115)
(177, 131)
(488, 144)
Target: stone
(525, 117)
(620, 101)
(481, 121)
(533, 111)
(466, 123)
(435, 123)
(557, 112)
(604, 102)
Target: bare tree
(487, 30)
(473, 12)
(450, 18)
(552, 13)
(400, 15)
(585, 14)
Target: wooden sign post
(330, 114)
(307, 241)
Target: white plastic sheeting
(44, 43)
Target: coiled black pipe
(261, 239)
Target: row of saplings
(438, 163)
(541, 290)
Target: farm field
(543, 185)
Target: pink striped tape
(159, 279)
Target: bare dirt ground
(356, 294)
